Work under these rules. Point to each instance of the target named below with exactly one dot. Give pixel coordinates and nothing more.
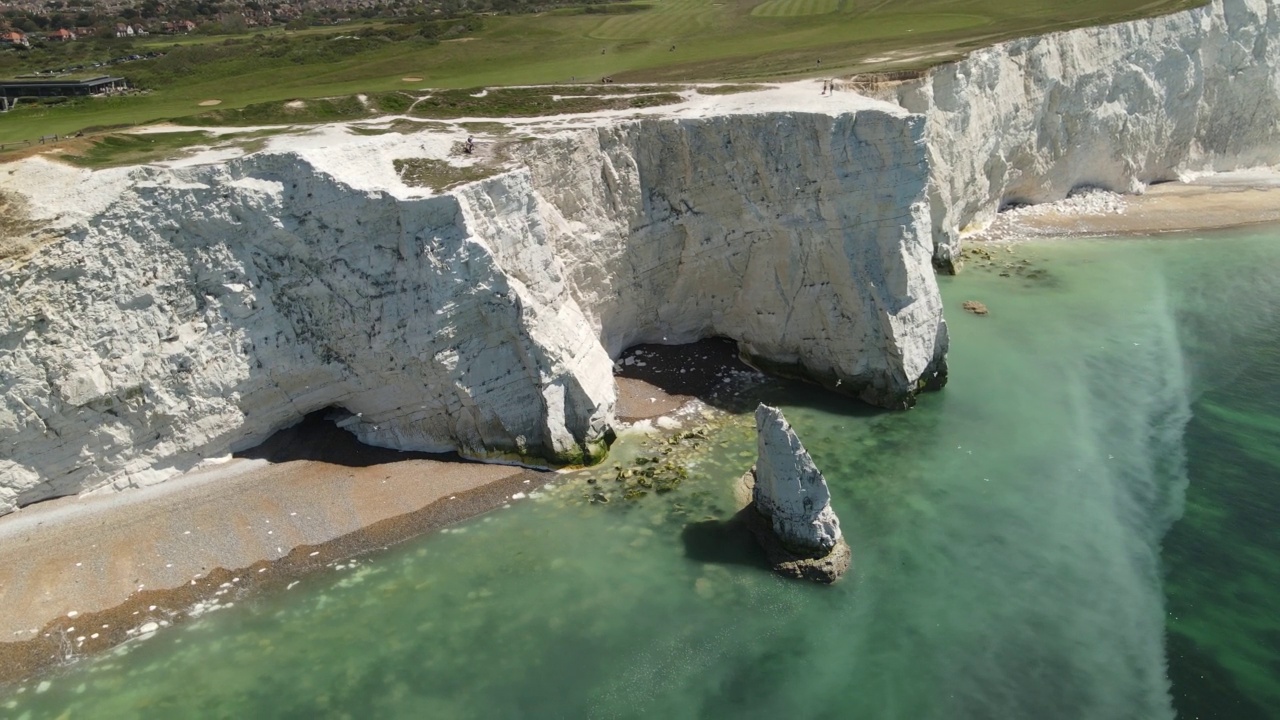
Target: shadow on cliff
(711, 370)
(317, 438)
(724, 542)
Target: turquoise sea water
(1082, 525)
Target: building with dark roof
(60, 88)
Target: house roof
(59, 84)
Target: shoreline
(1211, 202)
(145, 611)
(80, 575)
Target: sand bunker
(410, 79)
(209, 103)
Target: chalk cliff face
(206, 308)
(194, 311)
(1115, 107)
(801, 236)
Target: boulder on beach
(790, 511)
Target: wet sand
(79, 575)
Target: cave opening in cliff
(320, 437)
(657, 375)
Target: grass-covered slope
(659, 41)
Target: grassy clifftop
(659, 41)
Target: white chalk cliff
(1116, 107)
(186, 312)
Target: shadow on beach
(707, 370)
(318, 439)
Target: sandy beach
(101, 567)
(1206, 203)
(79, 575)
(657, 380)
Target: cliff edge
(186, 312)
(1116, 107)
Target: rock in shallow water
(790, 512)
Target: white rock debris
(1115, 107)
(1083, 201)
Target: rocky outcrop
(190, 312)
(1114, 107)
(799, 235)
(790, 512)
(193, 311)
(205, 309)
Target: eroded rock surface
(790, 511)
(191, 311)
(1115, 107)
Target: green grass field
(795, 8)
(115, 150)
(665, 41)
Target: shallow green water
(1007, 538)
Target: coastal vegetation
(661, 41)
(536, 101)
(728, 89)
(15, 227)
(113, 149)
(438, 174)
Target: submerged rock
(790, 511)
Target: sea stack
(790, 512)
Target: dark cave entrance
(319, 437)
